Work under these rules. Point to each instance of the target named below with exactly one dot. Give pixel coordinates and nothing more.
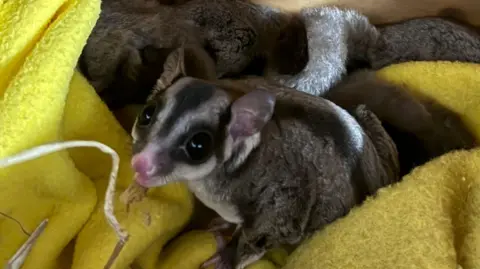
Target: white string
(46, 149)
(19, 257)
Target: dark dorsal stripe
(322, 123)
(187, 99)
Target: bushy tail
(334, 37)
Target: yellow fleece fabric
(44, 100)
(429, 220)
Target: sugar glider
(424, 39)
(277, 162)
(308, 50)
(421, 128)
(248, 147)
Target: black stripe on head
(187, 99)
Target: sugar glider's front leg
(224, 256)
(219, 224)
(273, 227)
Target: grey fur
(421, 128)
(309, 51)
(235, 32)
(335, 37)
(425, 39)
(230, 28)
(308, 165)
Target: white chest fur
(223, 208)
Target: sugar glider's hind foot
(217, 262)
(222, 259)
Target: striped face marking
(193, 127)
(180, 135)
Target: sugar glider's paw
(218, 225)
(218, 261)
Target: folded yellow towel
(44, 100)
(431, 220)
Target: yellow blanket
(430, 220)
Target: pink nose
(143, 165)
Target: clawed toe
(214, 260)
(217, 261)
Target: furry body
(424, 39)
(238, 36)
(421, 128)
(268, 145)
(281, 176)
(309, 51)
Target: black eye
(199, 147)
(146, 115)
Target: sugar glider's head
(193, 128)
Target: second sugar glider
(424, 39)
(421, 127)
(279, 163)
(308, 50)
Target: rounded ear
(186, 61)
(189, 61)
(250, 113)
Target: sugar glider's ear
(191, 61)
(250, 113)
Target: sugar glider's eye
(199, 146)
(146, 115)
